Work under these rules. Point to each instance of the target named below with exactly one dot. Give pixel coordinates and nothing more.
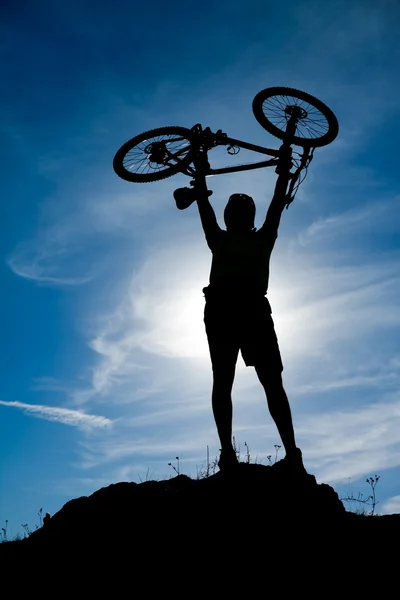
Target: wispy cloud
(378, 217)
(159, 315)
(153, 446)
(373, 376)
(347, 383)
(354, 442)
(43, 265)
(50, 384)
(62, 415)
(391, 506)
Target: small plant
(147, 478)
(365, 501)
(247, 453)
(177, 468)
(3, 537)
(269, 457)
(209, 469)
(236, 448)
(27, 530)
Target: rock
(261, 511)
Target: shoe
(228, 460)
(293, 464)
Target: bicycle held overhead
(295, 117)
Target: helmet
(241, 211)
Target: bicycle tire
(125, 161)
(314, 135)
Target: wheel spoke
(283, 121)
(137, 160)
(310, 130)
(279, 104)
(314, 125)
(276, 109)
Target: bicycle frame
(204, 140)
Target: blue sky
(105, 374)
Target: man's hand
(285, 160)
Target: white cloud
(352, 443)
(47, 262)
(160, 314)
(379, 217)
(391, 506)
(341, 383)
(156, 445)
(36, 269)
(50, 384)
(62, 415)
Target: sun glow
(168, 303)
(180, 325)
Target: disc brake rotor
(297, 111)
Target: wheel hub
(156, 153)
(295, 111)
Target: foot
(228, 460)
(293, 463)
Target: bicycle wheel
(316, 125)
(154, 155)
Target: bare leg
(278, 405)
(222, 403)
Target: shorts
(245, 325)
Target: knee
(223, 379)
(271, 382)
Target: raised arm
(279, 199)
(277, 205)
(206, 211)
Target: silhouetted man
(237, 313)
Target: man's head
(239, 213)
